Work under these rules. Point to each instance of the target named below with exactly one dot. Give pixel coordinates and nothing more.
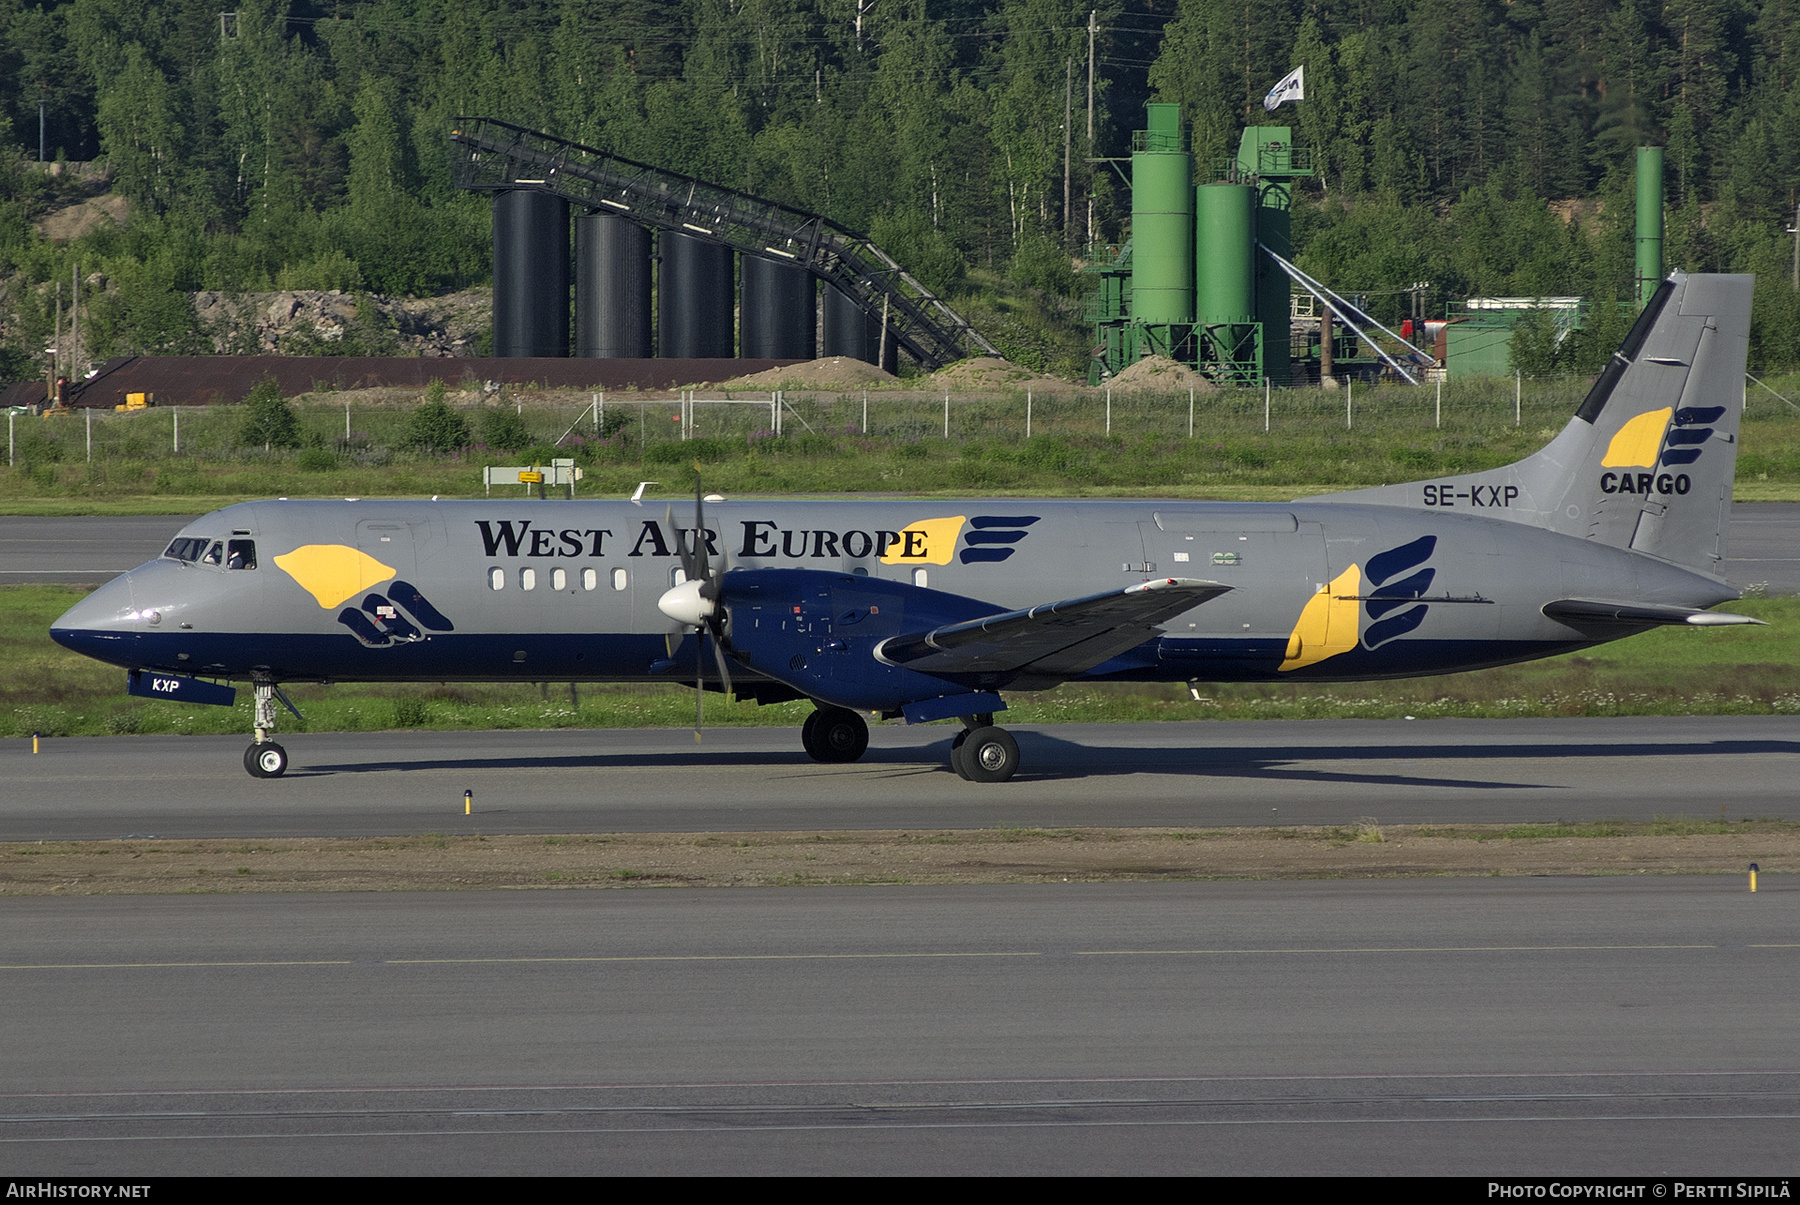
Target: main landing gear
(982, 752)
(264, 758)
(834, 735)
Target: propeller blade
(719, 659)
(699, 681)
(701, 555)
(681, 546)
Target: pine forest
(1483, 146)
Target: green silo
(1230, 346)
(1225, 250)
(1162, 221)
(1649, 222)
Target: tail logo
(1658, 438)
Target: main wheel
(837, 735)
(957, 743)
(988, 755)
(809, 736)
(267, 760)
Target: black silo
(612, 288)
(850, 332)
(531, 274)
(776, 313)
(694, 299)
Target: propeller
(695, 602)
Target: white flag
(1291, 87)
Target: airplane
(928, 610)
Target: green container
(1225, 253)
(1162, 237)
(1478, 349)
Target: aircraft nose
(102, 624)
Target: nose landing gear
(264, 758)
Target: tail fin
(1647, 461)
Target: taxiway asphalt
(80, 550)
(1204, 774)
(1569, 1027)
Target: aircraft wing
(1059, 639)
(1579, 611)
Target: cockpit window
(214, 554)
(241, 554)
(186, 548)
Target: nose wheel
(834, 735)
(267, 760)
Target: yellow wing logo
(1638, 441)
(927, 542)
(332, 573)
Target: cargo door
(1273, 562)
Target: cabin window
(677, 576)
(528, 579)
(619, 579)
(559, 579)
(590, 579)
(240, 554)
(496, 578)
(919, 578)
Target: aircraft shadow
(1048, 757)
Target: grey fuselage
(568, 590)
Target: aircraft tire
(988, 755)
(839, 735)
(809, 735)
(957, 743)
(267, 760)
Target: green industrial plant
(1190, 284)
(1206, 277)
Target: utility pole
(1090, 124)
(1795, 231)
(41, 105)
(1068, 142)
(75, 320)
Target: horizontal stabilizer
(1580, 611)
(1059, 639)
